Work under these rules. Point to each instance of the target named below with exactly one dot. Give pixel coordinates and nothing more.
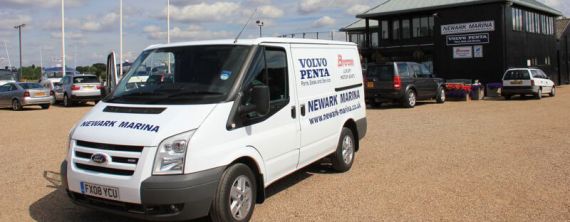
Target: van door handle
(303, 110)
(293, 112)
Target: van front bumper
(163, 198)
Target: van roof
(252, 42)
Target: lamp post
(63, 37)
(168, 31)
(260, 24)
(19, 27)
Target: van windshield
(381, 72)
(517, 75)
(181, 75)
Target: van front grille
(120, 160)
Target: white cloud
(204, 12)
(269, 11)
(309, 6)
(9, 20)
(193, 32)
(323, 22)
(42, 3)
(357, 9)
(68, 35)
(94, 24)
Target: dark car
(402, 82)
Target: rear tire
(410, 99)
(237, 188)
(343, 157)
(45, 106)
(16, 105)
(553, 92)
(440, 97)
(538, 95)
(67, 101)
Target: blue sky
(92, 26)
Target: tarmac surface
(490, 160)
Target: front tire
(410, 99)
(236, 194)
(16, 105)
(343, 157)
(507, 97)
(45, 106)
(440, 98)
(553, 92)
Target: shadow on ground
(56, 206)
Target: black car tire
(16, 105)
(343, 157)
(538, 95)
(67, 101)
(507, 97)
(45, 106)
(221, 205)
(553, 92)
(440, 97)
(410, 99)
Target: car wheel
(553, 92)
(343, 157)
(54, 99)
(66, 101)
(409, 100)
(45, 106)
(16, 105)
(440, 98)
(236, 194)
(538, 94)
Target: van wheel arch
(351, 124)
(260, 197)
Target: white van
(223, 122)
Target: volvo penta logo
(100, 158)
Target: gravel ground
(488, 160)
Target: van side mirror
(259, 101)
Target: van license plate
(40, 94)
(111, 193)
(516, 82)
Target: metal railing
(332, 35)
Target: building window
(517, 15)
(385, 33)
(416, 27)
(547, 60)
(406, 29)
(431, 25)
(527, 21)
(424, 31)
(374, 30)
(537, 23)
(396, 29)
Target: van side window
(269, 68)
(403, 70)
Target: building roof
(562, 25)
(391, 7)
(359, 25)
(251, 42)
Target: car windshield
(31, 86)
(517, 75)
(181, 75)
(381, 72)
(86, 79)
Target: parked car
(78, 88)
(403, 82)
(17, 95)
(525, 81)
(6, 76)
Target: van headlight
(171, 154)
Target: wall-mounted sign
(484, 26)
(463, 52)
(478, 51)
(468, 39)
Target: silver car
(18, 95)
(78, 89)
